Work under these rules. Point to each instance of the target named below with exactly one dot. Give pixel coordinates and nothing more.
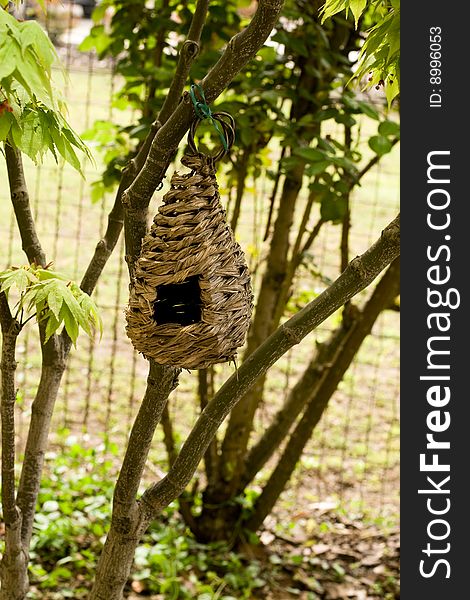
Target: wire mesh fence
(352, 458)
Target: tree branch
(373, 161)
(53, 359)
(107, 244)
(126, 526)
(241, 48)
(53, 364)
(14, 560)
(280, 425)
(160, 382)
(206, 392)
(168, 436)
(358, 275)
(346, 221)
(318, 399)
(188, 53)
(20, 200)
(10, 330)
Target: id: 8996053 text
(435, 67)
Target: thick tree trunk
(116, 559)
(129, 521)
(14, 565)
(318, 400)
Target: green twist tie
(203, 111)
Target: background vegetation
(358, 436)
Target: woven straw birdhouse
(191, 300)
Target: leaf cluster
(379, 58)
(292, 93)
(53, 299)
(31, 111)
(143, 39)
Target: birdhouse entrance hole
(178, 303)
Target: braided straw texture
(190, 237)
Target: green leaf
(392, 89)
(71, 325)
(32, 35)
(333, 207)
(52, 325)
(368, 110)
(389, 128)
(310, 154)
(317, 167)
(44, 274)
(55, 298)
(380, 144)
(357, 8)
(65, 149)
(98, 39)
(331, 8)
(33, 73)
(99, 12)
(28, 300)
(19, 278)
(75, 309)
(9, 56)
(91, 310)
(30, 141)
(98, 190)
(6, 120)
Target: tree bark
(168, 436)
(20, 201)
(129, 522)
(52, 369)
(239, 428)
(206, 392)
(13, 566)
(274, 435)
(116, 560)
(319, 397)
(242, 172)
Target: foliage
(54, 298)
(143, 39)
(72, 519)
(73, 516)
(379, 58)
(303, 98)
(260, 97)
(31, 112)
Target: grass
(353, 455)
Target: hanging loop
(225, 125)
